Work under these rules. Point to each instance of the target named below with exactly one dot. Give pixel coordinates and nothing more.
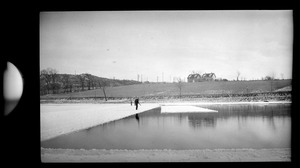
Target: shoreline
(166, 155)
(206, 98)
(161, 101)
(225, 103)
(169, 102)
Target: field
(188, 89)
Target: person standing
(136, 102)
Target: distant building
(198, 78)
(194, 78)
(209, 76)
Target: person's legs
(136, 106)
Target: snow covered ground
(58, 119)
(212, 103)
(205, 155)
(185, 108)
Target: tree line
(51, 82)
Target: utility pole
(95, 93)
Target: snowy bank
(58, 119)
(222, 103)
(185, 108)
(198, 155)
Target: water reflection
(245, 112)
(205, 120)
(137, 117)
(234, 126)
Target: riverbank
(205, 155)
(207, 98)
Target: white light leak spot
(12, 87)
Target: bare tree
(268, 78)
(43, 86)
(238, 75)
(90, 80)
(179, 85)
(272, 83)
(94, 83)
(273, 75)
(45, 78)
(54, 76)
(50, 77)
(81, 79)
(66, 82)
(103, 84)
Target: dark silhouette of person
(137, 117)
(136, 102)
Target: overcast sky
(122, 44)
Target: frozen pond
(233, 126)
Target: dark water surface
(234, 126)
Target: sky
(167, 44)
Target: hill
(75, 83)
(188, 89)
(110, 82)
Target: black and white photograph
(164, 86)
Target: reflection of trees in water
(242, 112)
(265, 111)
(271, 118)
(146, 117)
(202, 120)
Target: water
(234, 126)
